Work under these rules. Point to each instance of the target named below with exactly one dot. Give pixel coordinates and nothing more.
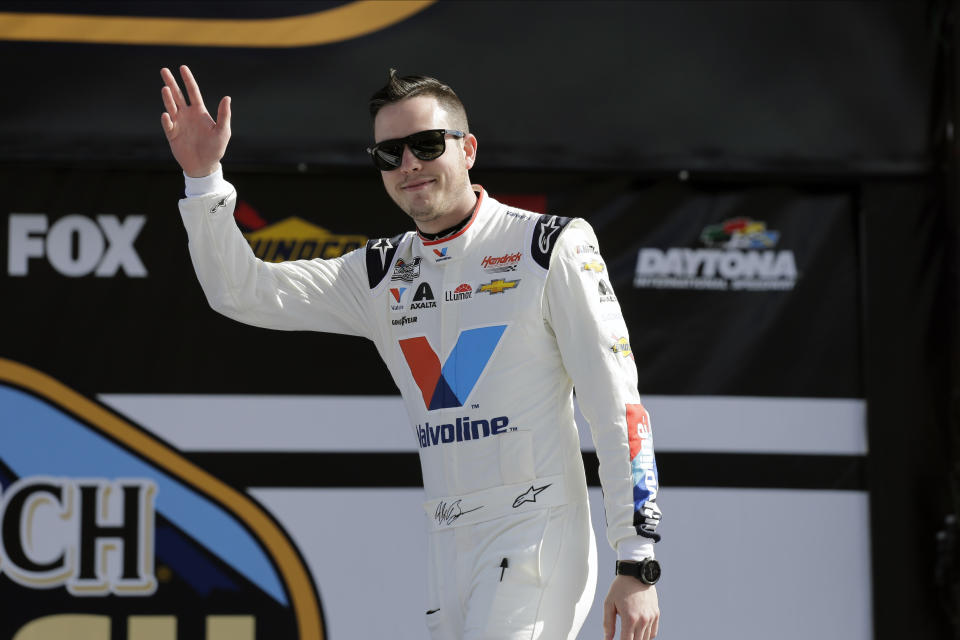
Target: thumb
(609, 620)
(223, 114)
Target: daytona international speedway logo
(738, 254)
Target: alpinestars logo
(548, 227)
(406, 271)
(530, 495)
(739, 256)
(383, 246)
(450, 385)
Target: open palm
(196, 140)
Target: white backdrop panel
(738, 564)
(317, 423)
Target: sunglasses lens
(388, 156)
(428, 145)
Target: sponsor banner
(112, 526)
(120, 256)
(737, 291)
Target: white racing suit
(486, 334)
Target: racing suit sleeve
(316, 295)
(585, 316)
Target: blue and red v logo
(450, 386)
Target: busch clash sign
(106, 533)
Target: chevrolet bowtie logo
(593, 266)
(498, 286)
(530, 495)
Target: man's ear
(470, 150)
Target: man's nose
(408, 161)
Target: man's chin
(422, 213)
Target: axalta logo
(423, 298)
(449, 385)
(463, 429)
(463, 292)
(501, 264)
(293, 238)
(740, 256)
(75, 245)
(606, 292)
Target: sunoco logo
(293, 238)
(740, 255)
(110, 533)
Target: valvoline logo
(441, 255)
(646, 480)
(449, 385)
(106, 527)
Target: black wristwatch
(646, 571)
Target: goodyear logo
(296, 239)
(108, 532)
(498, 286)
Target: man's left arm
(582, 310)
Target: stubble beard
(442, 205)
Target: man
(487, 317)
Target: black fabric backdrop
(819, 119)
(698, 85)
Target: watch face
(650, 571)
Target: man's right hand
(197, 142)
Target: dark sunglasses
(424, 145)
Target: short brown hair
(400, 88)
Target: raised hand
(196, 140)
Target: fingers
(193, 90)
(167, 124)
(647, 627)
(174, 88)
(609, 621)
(643, 631)
(223, 114)
(168, 101)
